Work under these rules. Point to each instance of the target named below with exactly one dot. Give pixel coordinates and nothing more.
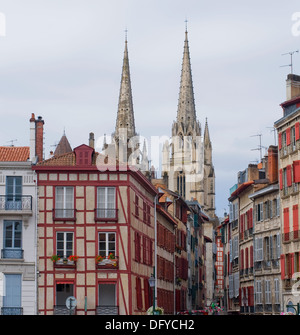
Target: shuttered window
(280, 179)
(139, 300)
(296, 171)
(289, 175)
(282, 266)
(137, 244)
(288, 136)
(279, 141)
(295, 218)
(286, 220)
(297, 134)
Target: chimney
(39, 138)
(32, 137)
(292, 86)
(272, 173)
(92, 140)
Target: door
(12, 295)
(63, 291)
(107, 299)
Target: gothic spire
(206, 134)
(125, 117)
(186, 104)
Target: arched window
(181, 184)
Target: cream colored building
(289, 160)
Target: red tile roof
(14, 154)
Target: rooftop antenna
(273, 130)
(260, 146)
(291, 53)
(12, 142)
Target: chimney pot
(292, 86)
(39, 138)
(92, 140)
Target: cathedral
(187, 166)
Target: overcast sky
(62, 60)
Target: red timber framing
(104, 222)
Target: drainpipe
(155, 252)
(36, 246)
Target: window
(258, 249)
(138, 288)
(147, 250)
(181, 185)
(107, 299)
(268, 291)
(64, 244)
(259, 209)
(106, 202)
(107, 244)
(137, 245)
(276, 289)
(136, 205)
(293, 138)
(64, 202)
(267, 249)
(283, 142)
(258, 294)
(12, 300)
(13, 193)
(12, 240)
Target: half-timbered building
(95, 235)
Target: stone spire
(63, 146)
(125, 118)
(186, 103)
(206, 134)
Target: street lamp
(151, 281)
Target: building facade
(95, 236)
(18, 206)
(289, 158)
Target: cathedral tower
(125, 132)
(187, 161)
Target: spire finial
(126, 31)
(186, 21)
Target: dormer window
(83, 155)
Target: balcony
(106, 214)
(64, 263)
(11, 311)
(107, 310)
(108, 264)
(290, 236)
(63, 310)
(21, 204)
(9, 253)
(62, 214)
(268, 308)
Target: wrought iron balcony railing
(107, 310)
(10, 253)
(106, 214)
(11, 311)
(62, 214)
(15, 203)
(63, 310)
